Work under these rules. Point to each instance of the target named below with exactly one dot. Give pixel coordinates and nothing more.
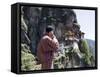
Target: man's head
(49, 31)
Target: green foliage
(61, 60)
(28, 60)
(86, 51)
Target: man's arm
(53, 43)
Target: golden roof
(76, 24)
(82, 33)
(69, 33)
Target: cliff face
(36, 20)
(33, 23)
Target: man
(46, 48)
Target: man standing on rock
(46, 48)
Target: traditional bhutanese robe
(45, 50)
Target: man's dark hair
(49, 29)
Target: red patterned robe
(45, 51)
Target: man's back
(45, 49)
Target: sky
(86, 19)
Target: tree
(84, 48)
